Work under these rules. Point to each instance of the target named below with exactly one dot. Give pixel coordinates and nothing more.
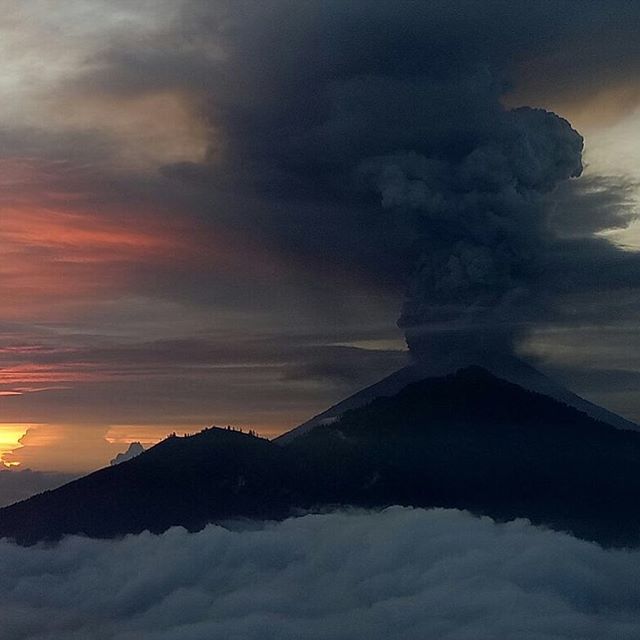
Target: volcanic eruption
(389, 136)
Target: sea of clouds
(396, 574)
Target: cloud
(291, 113)
(267, 381)
(408, 97)
(63, 448)
(589, 63)
(20, 485)
(134, 449)
(592, 204)
(271, 169)
(397, 574)
(397, 151)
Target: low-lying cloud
(397, 574)
(20, 485)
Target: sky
(239, 213)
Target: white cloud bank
(398, 574)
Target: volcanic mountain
(467, 440)
(501, 365)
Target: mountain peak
(505, 367)
(474, 372)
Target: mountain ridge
(468, 440)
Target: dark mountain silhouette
(501, 365)
(467, 440)
(477, 442)
(215, 475)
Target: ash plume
(374, 138)
(482, 229)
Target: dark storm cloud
(480, 221)
(566, 46)
(372, 137)
(397, 574)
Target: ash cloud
(376, 139)
(366, 148)
(400, 573)
(482, 225)
(405, 139)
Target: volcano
(470, 440)
(504, 366)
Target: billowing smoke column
(373, 134)
(482, 227)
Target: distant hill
(214, 475)
(467, 440)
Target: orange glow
(139, 122)
(61, 253)
(44, 447)
(83, 235)
(147, 435)
(10, 435)
(54, 260)
(36, 373)
(71, 250)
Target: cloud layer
(20, 485)
(398, 574)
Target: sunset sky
(160, 272)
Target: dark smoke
(372, 136)
(432, 142)
(483, 230)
